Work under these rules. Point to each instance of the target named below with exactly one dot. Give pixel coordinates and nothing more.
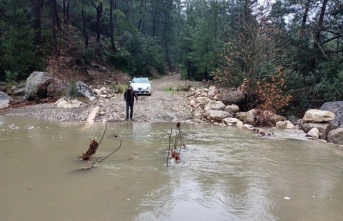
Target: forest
(290, 50)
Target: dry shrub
(271, 98)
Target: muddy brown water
(224, 174)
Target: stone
(323, 128)
(247, 117)
(65, 103)
(337, 108)
(232, 97)
(218, 115)
(313, 133)
(336, 136)
(230, 121)
(43, 85)
(212, 91)
(18, 91)
(286, 124)
(318, 116)
(233, 108)
(214, 105)
(97, 91)
(86, 91)
(4, 100)
(202, 101)
(192, 103)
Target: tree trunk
(305, 15)
(141, 22)
(154, 20)
(317, 33)
(65, 11)
(98, 20)
(84, 27)
(37, 17)
(54, 23)
(165, 39)
(54, 12)
(113, 46)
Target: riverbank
(168, 103)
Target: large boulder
(318, 116)
(217, 115)
(247, 117)
(337, 108)
(276, 118)
(336, 136)
(43, 85)
(323, 128)
(4, 100)
(250, 117)
(214, 105)
(83, 89)
(233, 108)
(232, 97)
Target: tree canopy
(229, 42)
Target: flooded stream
(224, 174)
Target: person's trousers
(129, 108)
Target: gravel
(168, 103)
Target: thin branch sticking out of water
(103, 133)
(170, 140)
(100, 159)
(175, 152)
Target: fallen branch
(93, 147)
(112, 152)
(100, 159)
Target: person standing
(129, 97)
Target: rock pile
(222, 108)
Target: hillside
(74, 62)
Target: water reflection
(224, 174)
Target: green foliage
(140, 53)
(89, 55)
(330, 85)
(200, 43)
(183, 87)
(11, 76)
(72, 90)
(16, 48)
(117, 88)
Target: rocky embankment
(174, 100)
(221, 107)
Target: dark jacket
(130, 96)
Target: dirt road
(167, 103)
